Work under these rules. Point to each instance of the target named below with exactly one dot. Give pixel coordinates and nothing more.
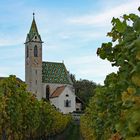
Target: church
(49, 80)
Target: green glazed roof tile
(33, 30)
(55, 73)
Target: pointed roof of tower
(33, 30)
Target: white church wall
(59, 102)
(54, 101)
(70, 96)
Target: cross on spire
(33, 15)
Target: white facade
(60, 102)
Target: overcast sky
(72, 30)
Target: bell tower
(33, 60)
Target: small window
(67, 103)
(36, 82)
(67, 95)
(35, 37)
(36, 72)
(35, 51)
(77, 109)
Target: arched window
(35, 51)
(67, 103)
(47, 92)
(27, 52)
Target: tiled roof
(57, 92)
(33, 31)
(33, 28)
(55, 73)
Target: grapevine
(114, 111)
(22, 116)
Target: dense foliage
(114, 111)
(84, 89)
(23, 117)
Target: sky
(72, 30)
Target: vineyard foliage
(114, 111)
(24, 117)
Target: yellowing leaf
(136, 79)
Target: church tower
(33, 60)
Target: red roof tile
(57, 92)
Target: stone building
(48, 80)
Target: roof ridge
(53, 62)
(58, 88)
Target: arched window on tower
(35, 51)
(47, 92)
(27, 52)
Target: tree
(114, 111)
(22, 116)
(85, 89)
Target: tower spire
(33, 15)
(33, 29)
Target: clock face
(35, 61)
